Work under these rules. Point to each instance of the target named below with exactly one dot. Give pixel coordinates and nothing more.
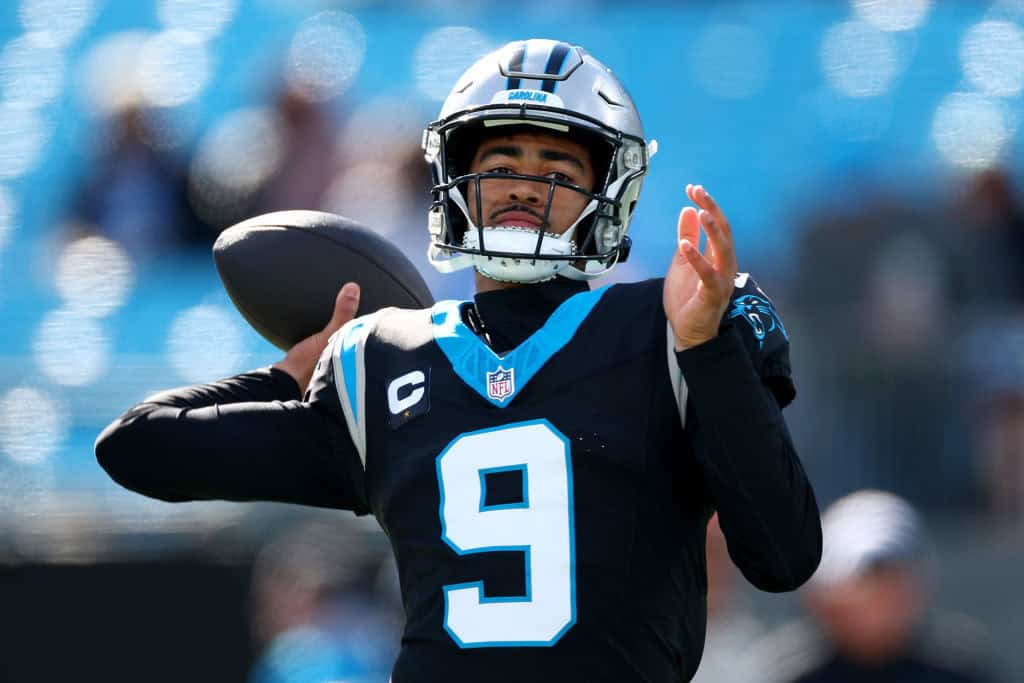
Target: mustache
(518, 208)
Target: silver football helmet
(557, 87)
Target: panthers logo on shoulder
(759, 314)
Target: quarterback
(544, 458)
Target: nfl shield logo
(501, 383)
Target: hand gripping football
(283, 270)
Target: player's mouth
(521, 219)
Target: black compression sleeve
(766, 507)
(247, 437)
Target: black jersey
(546, 506)
(546, 503)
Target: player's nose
(526, 191)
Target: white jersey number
(540, 525)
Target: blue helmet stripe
(554, 66)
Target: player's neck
(486, 284)
(505, 316)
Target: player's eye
(561, 177)
(504, 170)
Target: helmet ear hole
(625, 247)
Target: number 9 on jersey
(540, 526)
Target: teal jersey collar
(499, 379)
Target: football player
(544, 458)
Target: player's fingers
(705, 201)
(700, 264)
(721, 250)
(688, 227)
(345, 306)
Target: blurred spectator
(875, 292)
(995, 356)
(991, 243)
(869, 606)
(136, 193)
(732, 627)
(873, 297)
(318, 612)
(255, 160)
(308, 158)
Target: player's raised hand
(698, 286)
(301, 358)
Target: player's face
(524, 202)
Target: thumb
(345, 306)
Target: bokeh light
(731, 61)
(206, 18)
(325, 55)
(94, 276)
(992, 56)
(238, 154)
(32, 425)
(205, 343)
(383, 126)
(107, 80)
(443, 54)
(970, 129)
(242, 149)
(173, 68)
(371, 192)
(55, 23)
(892, 15)
(23, 133)
(71, 348)
(859, 60)
(30, 75)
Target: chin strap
(447, 262)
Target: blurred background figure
(995, 354)
(896, 297)
(991, 241)
(308, 156)
(875, 286)
(135, 192)
(869, 607)
(276, 156)
(318, 610)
